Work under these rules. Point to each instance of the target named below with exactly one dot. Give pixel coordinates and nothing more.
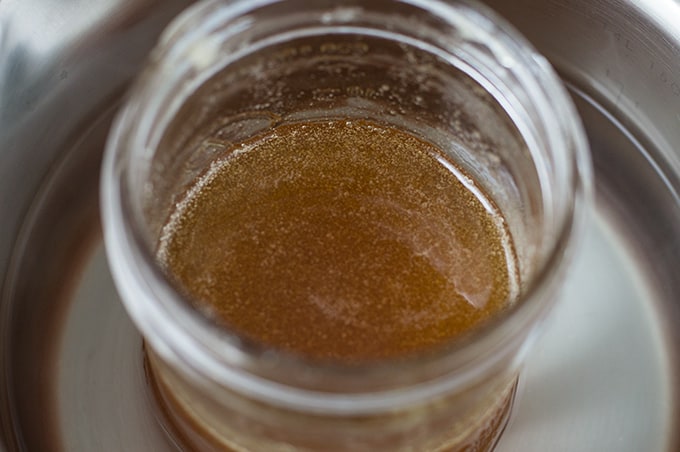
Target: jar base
(189, 435)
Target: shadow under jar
(449, 76)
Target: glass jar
(450, 72)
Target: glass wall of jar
(450, 72)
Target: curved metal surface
(59, 63)
(64, 64)
(624, 53)
(624, 56)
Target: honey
(340, 240)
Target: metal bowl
(604, 377)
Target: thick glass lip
(213, 358)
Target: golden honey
(340, 240)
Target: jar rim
(210, 356)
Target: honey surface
(339, 240)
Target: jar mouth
(211, 356)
